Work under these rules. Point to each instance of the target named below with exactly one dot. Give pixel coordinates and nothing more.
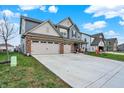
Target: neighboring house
(98, 42)
(3, 48)
(44, 37)
(88, 39)
(121, 47)
(111, 44)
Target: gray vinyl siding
(29, 25)
(121, 47)
(77, 34)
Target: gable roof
(42, 24)
(95, 42)
(97, 35)
(74, 25)
(68, 18)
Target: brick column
(28, 45)
(61, 48)
(72, 48)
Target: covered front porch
(76, 45)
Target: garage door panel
(67, 48)
(44, 48)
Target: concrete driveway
(79, 70)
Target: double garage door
(38, 47)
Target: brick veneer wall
(61, 48)
(28, 45)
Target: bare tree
(6, 32)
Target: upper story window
(63, 33)
(109, 43)
(73, 33)
(85, 40)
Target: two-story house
(111, 44)
(98, 42)
(44, 37)
(87, 39)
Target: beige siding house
(44, 37)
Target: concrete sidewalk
(79, 70)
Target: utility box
(13, 61)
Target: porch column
(61, 48)
(72, 47)
(28, 45)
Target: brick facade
(61, 48)
(28, 45)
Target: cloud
(16, 25)
(9, 13)
(29, 7)
(95, 25)
(43, 8)
(25, 14)
(107, 12)
(53, 9)
(111, 33)
(121, 23)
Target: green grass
(28, 73)
(109, 56)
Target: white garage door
(38, 47)
(67, 48)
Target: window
(55, 42)
(34, 41)
(63, 33)
(50, 42)
(73, 33)
(85, 40)
(42, 41)
(109, 43)
(78, 36)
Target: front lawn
(28, 73)
(110, 56)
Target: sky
(90, 19)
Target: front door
(76, 46)
(101, 48)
